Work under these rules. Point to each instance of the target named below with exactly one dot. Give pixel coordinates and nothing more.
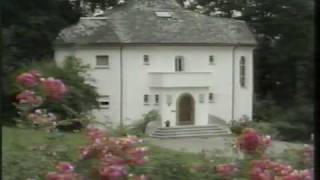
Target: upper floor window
(243, 71)
(146, 99)
(211, 98)
(156, 99)
(102, 61)
(146, 59)
(211, 60)
(179, 63)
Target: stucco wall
(243, 95)
(159, 77)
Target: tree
(284, 31)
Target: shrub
(112, 157)
(139, 128)
(256, 165)
(295, 124)
(290, 123)
(81, 97)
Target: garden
(45, 144)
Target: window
(145, 59)
(243, 71)
(179, 65)
(156, 99)
(146, 99)
(211, 98)
(104, 102)
(102, 61)
(201, 98)
(211, 60)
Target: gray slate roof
(136, 22)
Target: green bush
(290, 123)
(139, 128)
(82, 97)
(295, 123)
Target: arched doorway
(185, 109)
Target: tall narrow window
(102, 61)
(156, 99)
(145, 59)
(179, 65)
(211, 98)
(243, 71)
(211, 60)
(146, 99)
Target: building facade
(148, 55)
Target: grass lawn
(31, 153)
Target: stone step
(189, 132)
(189, 127)
(191, 135)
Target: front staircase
(191, 131)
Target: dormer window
(179, 63)
(211, 60)
(145, 59)
(102, 61)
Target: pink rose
(28, 80)
(28, 97)
(54, 88)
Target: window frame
(243, 72)
(146, 99)
(146, 59)
(212, 60)
(211, 98)
(156, 99)
(102, 66)
(179, 64)
(104, 98)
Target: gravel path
(214, 144)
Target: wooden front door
(185, 110)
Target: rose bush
(114, 156)
(256, 165)
(35, 91)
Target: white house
(152, 54)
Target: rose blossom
(29, 97)
(28, 80)
(54, 88)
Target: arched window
(179, 65)
(243, 71)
